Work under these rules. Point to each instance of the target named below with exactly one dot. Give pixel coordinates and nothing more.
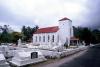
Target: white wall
(65, 32)
(46, 38)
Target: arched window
(70, 31)
(39, 38)
(48, 38)
(36, 38)
(52, 38)
(43, 38)
(58, 38)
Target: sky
(44, 13)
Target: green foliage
(5, 37)
(8, 36)
(87, 35)
(27, 32)
(84, 34)
(96, 34)
(15, 36)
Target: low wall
(55, 54)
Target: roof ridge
(65, 18)
(48, 27)
(47, 30)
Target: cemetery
(3, 62)
(49, 33)
(24, 58)
(48, 43)
(21, 56)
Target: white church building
(56, 35)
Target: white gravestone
(24, 58)
(19, 42)
(3, 62)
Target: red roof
(47, 30)
(65, 18)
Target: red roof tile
(65, 18)
(47, 30)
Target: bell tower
(65, 30)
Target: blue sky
(43, 13)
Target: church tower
(65, 30)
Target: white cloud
(45, 12)
(14, 27)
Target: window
(48, 38)
(43, 38)
(53, 38)
(58, 38)
(39, 38)
(36, 38)
(70, 31)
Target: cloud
(92, 18)
(14, 27)
(47, 12)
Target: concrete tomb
(24, 58)
(3, 62)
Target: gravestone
(3, 62)
(19, 42)
(27, 57)
(34, 55)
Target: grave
(3, 62)
(27, 57)
(34, 55)
(19, 43)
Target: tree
(84, 34)
(96, 34)
(5, 36)
(24, 32)
(15, 36)
(27, 32)
(78, 31)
